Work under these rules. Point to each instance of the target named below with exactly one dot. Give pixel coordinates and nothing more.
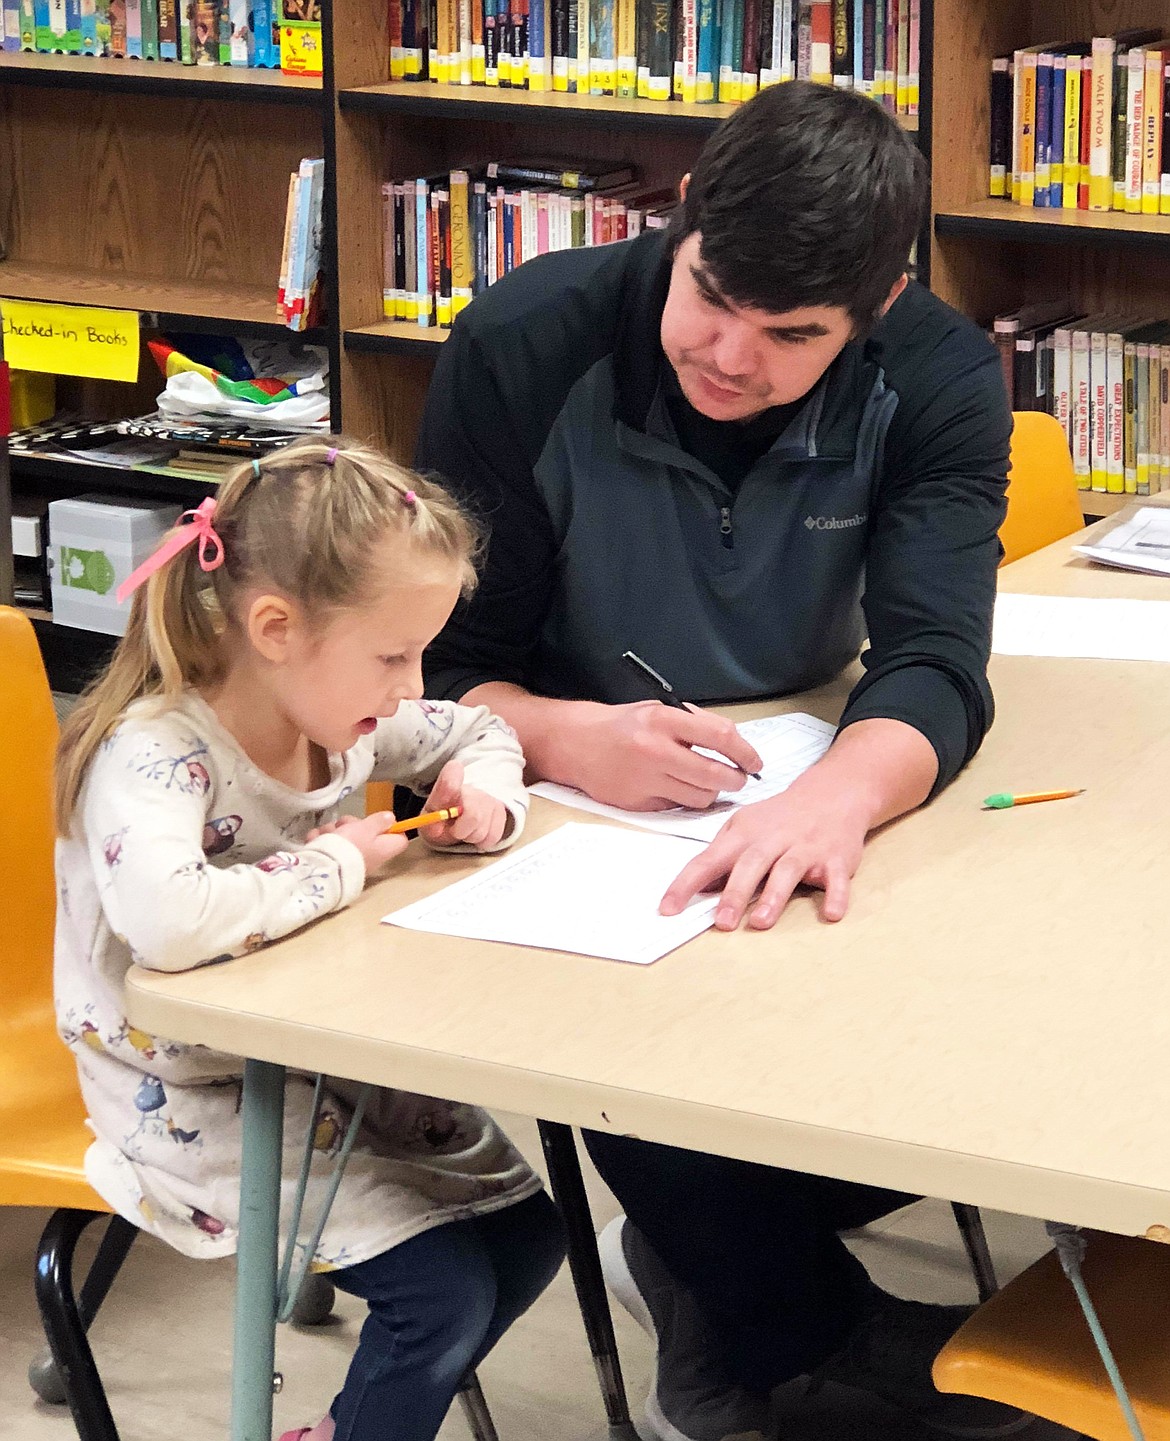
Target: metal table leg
(254, 1346)
(568, 1188)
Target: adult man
(736, 449)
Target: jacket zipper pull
(725, 526)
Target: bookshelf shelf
(394, 337)
(196, 305)
(61, 475)
(1001, 220)
(158, 77)
(532, 108)
(1098, 505)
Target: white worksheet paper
(787, 745)
(1057, 625)
(590, 889)
(1140, 543)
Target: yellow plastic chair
(1043, 504)
(1030, 1345)
(43, 1136)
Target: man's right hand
(641, 757)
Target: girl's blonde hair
(304, 521)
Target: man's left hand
(814, 832)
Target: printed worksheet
(1140, 543)
(590, 889)
(1059, 625)
(787, 744)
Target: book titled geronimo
(564, 174)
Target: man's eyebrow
(811, 330)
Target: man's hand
(641, 756)
(814, 833)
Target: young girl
(271, 667)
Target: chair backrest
(28, 740)
(1043, 504)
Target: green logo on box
(86, 569)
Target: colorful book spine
(689, 20)
(1026, 69)
(1043, 129)
(999, 129)
(1088, 109)
(1056, 134)
(1101, 124)
(584, 22)
(1072, 132)
(602, 48)
(1115, 413)
(1098, 412)
(134, 29)
(841, 60)
(11, 14)
(749, 66)
(661, 59)
(627, 45)
(479, 44)
(266, 55)
(821, 42)
(1081, 409)
(290, 210)
(1135, 112)
(461, 247)
(418, 208)
(150, 30)
(1164, 188)
(1154, 93)
(389, 309)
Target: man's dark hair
(808, 195)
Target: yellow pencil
(1005, 800)
(431, 818)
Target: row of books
(258, 33)
(447, 238)
(298, 298)
(690, 50)
(1106, 378)
(1084, 126)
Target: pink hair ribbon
(199, 529)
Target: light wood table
(990, 1023)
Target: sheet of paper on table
(589, 889)
(1076, 626)
(1141, 542)
(787, 744)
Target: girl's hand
(482, 822)
(367, 833)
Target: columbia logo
(833, 522)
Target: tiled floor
(163, 1341)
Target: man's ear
(683, 185)
(273, 625)
(896, 289)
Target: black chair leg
(568, 1188)
(970, 1225)
(66, 1319)
(475, 1409)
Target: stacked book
(1084, 126)
(298, 296)
(192, 32)
(1106, 378)
(446, 238)
(690, 50)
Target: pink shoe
(295, 1435)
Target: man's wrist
(554, 734)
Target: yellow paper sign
(70, 339)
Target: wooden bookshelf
(173, 208)
(157, 77)
(393, 337)
(216, 304)
(584, 112)
(1001, 220)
